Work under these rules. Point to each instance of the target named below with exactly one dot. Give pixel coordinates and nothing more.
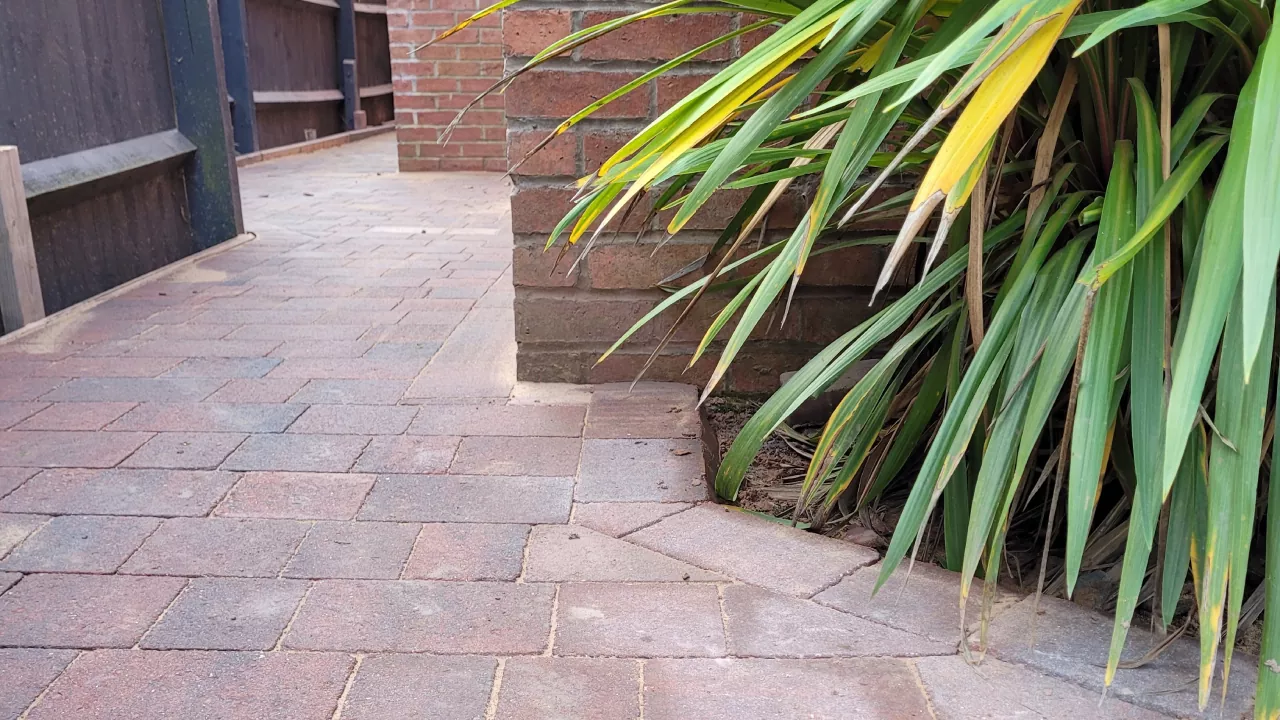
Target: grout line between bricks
(640, 689)
(294, 553)
(491, 709)
(555, 616)
(231, 489)
(924, 692)
(413, 547)
(33, 533)
(724, 618)
(178, 596)
(346, 689)
(146, 539)
(32, 706)
(524, 554)
(296, 611)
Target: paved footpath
(297, 480)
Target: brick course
(432, 85)
(566, 318)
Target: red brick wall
(564, 321)
(432, 85)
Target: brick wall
(434, 84)
(564, 321)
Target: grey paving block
(737, 689)
(639, 620)
(754, 550)
(227, 614)
(762, 623)
(457, 498)
(566, 553)
(642, 471)
(418, 616)
(1071, 643)
(1000, 691)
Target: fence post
(347, 59)
(235, 51)
(200, 101)
(20, 299)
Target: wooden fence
(118, 113)
(299, 69)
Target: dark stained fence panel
(284, 124)
(292, 45)
(76, 74)
(86, 94)
(373, 59)
(93, 245)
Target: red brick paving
(356, 543)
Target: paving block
(258, 390)
(410, 687)
(185, 450)
(354, 550)
(302, 496)
(11, 478)
(735, 689)
(467, 551)
(1071, 643)
(763, 623)
(403, 351)
(27, 673)
(508, 420)
(451, 498)
(322, 349)
(158, 493)
(417, 616)
(569, 689)
(668, 413)
(12, 413)
(567, 553)
(227, 614)
(297, 453)
(924, 603)
(349, 368)
(408, 454)
(135, 390)
(235, 547)
(543, 456)
(618, 519)
(295, 332)
(231, 367)
(1001, 691)
(83, 611)
(210, 417)
(754, 550)
(80, 544)
(170, 685)
(639, 620)
(76, 416)
(355, 419)
(641, 471)
(350, 392)
(21, 389)
(49, 449)
(14, 528)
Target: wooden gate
(118, 112)
(300, 69)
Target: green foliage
(1111, 329)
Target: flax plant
(1091, 236)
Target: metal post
(235, 52)
(200, 104)
(347, 77)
